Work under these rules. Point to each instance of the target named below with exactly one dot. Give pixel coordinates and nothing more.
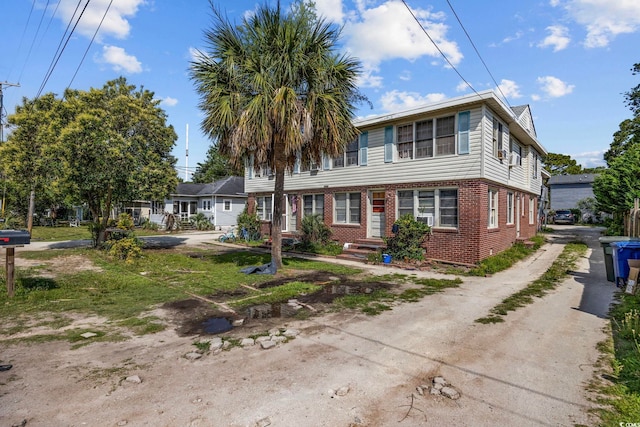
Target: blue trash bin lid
(630, 244)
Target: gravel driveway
(344, 369)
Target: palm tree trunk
(278, 204)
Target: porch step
(361, 249)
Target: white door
(377, 213)
(518, 216)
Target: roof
(585, 178)
(229, 186)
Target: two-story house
(470, 167)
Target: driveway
(530, 370)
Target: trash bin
(386, 258)
(622, 252)
(605, 242)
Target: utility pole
(2, 108)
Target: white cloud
(462, 87)
(536, 97)
(120, 60)
(558, 38)
(331, 10)
(603, 19)
(553, 87)
(389, 31)
(115, 22)
(509, 89)
(396, 100)
(169, 101)
(368, 78)
(405, 75)
(590, 159)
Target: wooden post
(10, 264)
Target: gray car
(563, 217)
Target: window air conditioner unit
(430, 221)
(514, 159)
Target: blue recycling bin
(622, 252)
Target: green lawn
(62, 233)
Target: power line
(33, 41)
(2, 107)
(438, 48)
(478, 53)
(90, 43)
(60, 50)
(24, 32)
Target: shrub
(314, 230)
(201, 222)
(127, 248)
(125, 222)
(249, 223)
(407, 241)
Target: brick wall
(471, 242)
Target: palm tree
(275, 91)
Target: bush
(407, 242)
(125, 222)
(314, 230)
(201, 222)
(127, 248)
(249, 223)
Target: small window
(226, 205)
(493, 208)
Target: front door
(377, 214)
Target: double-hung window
(313, 204)
(426, 138)
(264, 207)
(445, 136)
(349, 157)
(498, 137)
(346, 208)
(206, 205)
(226, 205)
(510, 208)
(437, 207)
(493, 208)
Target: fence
(632, 220)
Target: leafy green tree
(29, 159)
(561, 164)
(215, 167)
(274, 90)
(116, 147)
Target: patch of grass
(506, 259)
(203, 346)
(539, 287)
(58, 234)
(143, 325)
(371, 304)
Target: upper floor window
(535, 165)
(346, 208)
(498, 139)
(349, 157)
(438, 207)
(426, 138)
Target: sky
(570, 60)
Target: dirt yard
(340, 369)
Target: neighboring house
(470, 167)
(567, 190)
(221, 201)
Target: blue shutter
(364, 148)
(388, 144)
(464, 119)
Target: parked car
(563, 217)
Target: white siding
(480, 163)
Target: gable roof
(229, 186)
(585, 178)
